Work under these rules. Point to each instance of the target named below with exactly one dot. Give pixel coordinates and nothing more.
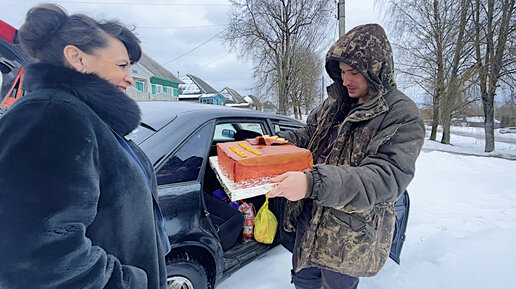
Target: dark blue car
(178, 137)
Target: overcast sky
(156, 23)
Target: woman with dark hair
(78, 202)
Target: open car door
(12, 61)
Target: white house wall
(139, 72)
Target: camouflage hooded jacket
(369, 166)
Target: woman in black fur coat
(78, 200)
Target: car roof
(157, 114)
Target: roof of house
(243, 104)
(157, 69)
(269, 104)
(255, 100)
(195, 85)
(237, 98)
(478, 119)
(209, 95)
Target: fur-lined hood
(113, 106)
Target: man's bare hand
(291, 185)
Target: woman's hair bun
(41, 26)
(48, 29)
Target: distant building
(194, 89)
(153, 81)
(256, 104)
(270, 107)
(213, 98)
(234, 99)
(473, 121)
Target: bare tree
(508, 73)
(435, 53)
(307, 70)
(494, 25)
(272, 33)
(457, 79)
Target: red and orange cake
(261, 157)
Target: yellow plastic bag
(265, 224)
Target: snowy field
(461, 231)
(475, 143)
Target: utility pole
(341, 15)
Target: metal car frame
(12, 61)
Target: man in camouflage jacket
(365, 139)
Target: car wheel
(186, 274)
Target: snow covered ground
(505, 144)
(461, 231)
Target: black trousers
(315, 278)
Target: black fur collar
(115, 108)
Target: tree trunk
(283, 88)
(435, 119)
(454, 86)
(488, 106)
(446, 122)
(297, 110)
(495, 47)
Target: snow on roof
(269, 104)
(208, 95)
(188, 86)
(244, 104)
(478, 119)
(253, 99)
(185, 96)
(232, 95)
(195, 85)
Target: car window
(237, 131)
(224, 132)
(284, 127)
(185, 164)
(256, 127)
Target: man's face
(354, 82)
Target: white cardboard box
(239, 191)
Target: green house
(153, 81)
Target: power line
(211, 62)
(132, 3)
(179, 27)
(189, 51)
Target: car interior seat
(245, 134)
(227, 220)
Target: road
(498, 136)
